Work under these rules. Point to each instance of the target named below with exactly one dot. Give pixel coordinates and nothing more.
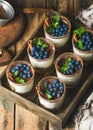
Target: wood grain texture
(26, 120)
(6, 114)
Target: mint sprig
(64, 67)
(79, 31)
(54, 22)
(45, 91)
(40, 43)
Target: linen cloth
(84, 118)
(86, 16)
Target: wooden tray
(30, 101)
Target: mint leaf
(48, 95)
(64, 68)
(57, 18)
(79, 31)
(20, 80)
(38, 41)
(16, 73)
(44, 45)
(80, 44)
(69, 59)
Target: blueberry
(90, 43)
(20, 74)
(88, 46)
(17, 67)
(33, 48)
(38, 47)
(60, 84)
(13, 70)
(76, 68)
(84, 48)
(70, 63)
(49, 86)
(24, 65)
(71, 71)
(61, 88)
(29, 75)
(54, 85)
(51, 90)
(37, 54)
(46, 52)
(28, 68)
(42, 49)
(58, 95)
(61, 29)
(57, 30)
(77, 62)
(86, 42)
(53, 31)
(68, 72)
(55, 88)
(91, 48)
(79, 66)
(24, 76)
(41, 54)
(55, 81)
(25, 71)
(45, 56)
(53, 94)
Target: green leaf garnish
(80, 44)
(48, 96)
(64, 67)
(40, 43)
(44, 45)
(54, 22)
(45, 90)
(16, 73)
(20, 80)
(57, 18)
(79, 31)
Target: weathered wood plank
(26, 120)
(77, 6)
(66, 7)
(6, 114)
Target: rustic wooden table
(12, 115)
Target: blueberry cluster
(87, 41)
(54, 89)
(60, 30)
(72, 67)
(39, 53)
(21, 71)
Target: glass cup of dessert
(51, 92)
(69, 68)
(20, 76)
(57, 29)
(41, 52)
